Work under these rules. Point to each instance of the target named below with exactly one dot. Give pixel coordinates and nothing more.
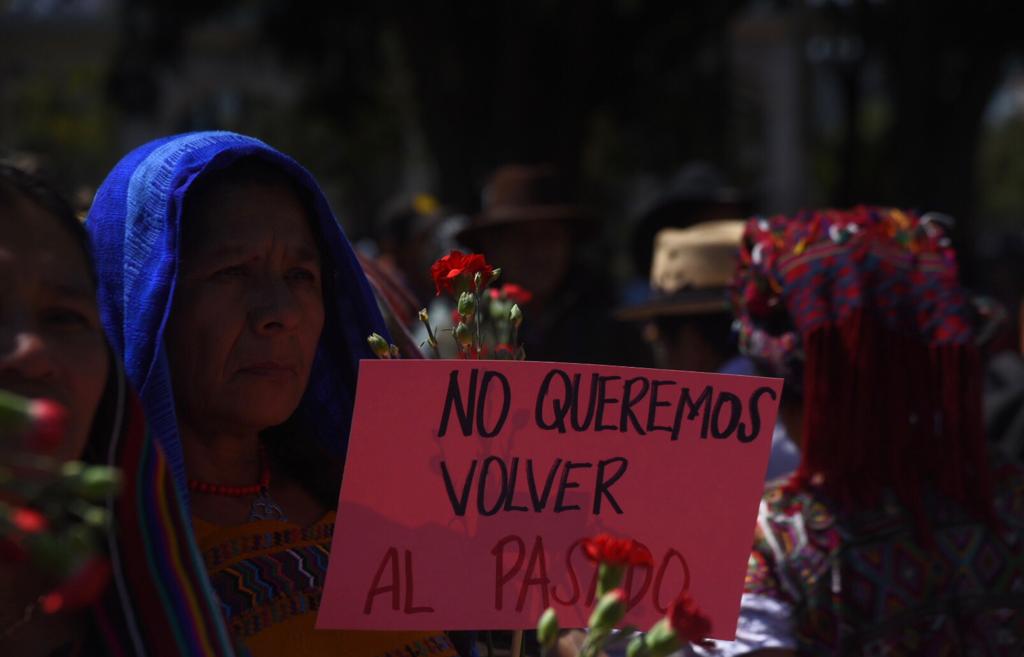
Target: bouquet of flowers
(52, 513)
(684, 623)
(486, 319)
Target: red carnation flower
(449, 269)
(50, 421)
(504, 352)
(514, 293)
(29, 521)
(617, 551)
(688, 620)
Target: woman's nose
(274, 308)
(24, 353)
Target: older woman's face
(51, 339)
(247, 312)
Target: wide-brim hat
(524, 193)
(692, 271)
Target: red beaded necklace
(234, 491)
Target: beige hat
(692, 270)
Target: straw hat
(691, 272)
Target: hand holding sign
(470, 488)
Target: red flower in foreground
(447, 270)
(617, 551)
(514, 293)
(688, 620)
(50, 420)
(29, 521)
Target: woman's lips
(268, 368)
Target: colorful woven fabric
(862, 312)
(798, 274)
(269, 577)
(862, 584)
(160, 601)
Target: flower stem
(479, 331)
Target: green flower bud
(515, 315)
(96, 517)
(498, 310)
(72, 469)
(15, 415)
(547, 628)
(609, 611)
(478, 281)
(662, 640)
(99, 481)
(494, 275)
(637, 647)
(379, 346)
(463, 335)
(467, 305)
(609, 577)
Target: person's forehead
(241, 216)
(31, 237)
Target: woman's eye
(65, 317)
(231, 272)
(301, 274)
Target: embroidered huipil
(269, 577)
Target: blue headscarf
(135, 223)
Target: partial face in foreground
(51, 340)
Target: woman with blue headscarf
(241, 313)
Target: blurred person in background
(1000, 271)
(687, 317)
(412, 236)
(532, 227)
(897, 534)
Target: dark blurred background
(794, 104)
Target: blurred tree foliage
(482, 82)
(1001, 173)
(400, 95)
(942, 60)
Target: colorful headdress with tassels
(862, 310)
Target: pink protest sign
(469, 486)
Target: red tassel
(886, 414)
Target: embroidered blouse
(269, 577)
